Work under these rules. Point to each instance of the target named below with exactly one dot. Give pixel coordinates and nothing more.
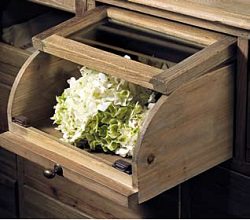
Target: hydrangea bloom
(104, 110)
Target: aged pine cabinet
(191, 129)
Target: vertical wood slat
(248, 113)
(241, 100)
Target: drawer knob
(51, 173)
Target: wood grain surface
(233, 13)
(179, 17)
(190, 132)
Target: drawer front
(94, 205)
(8, 197)
(72, 194)
(38, 205)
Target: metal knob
(51, 173)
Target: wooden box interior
(51, 74)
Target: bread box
(188, 131)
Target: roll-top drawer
(188, 130)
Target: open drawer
(188, 131)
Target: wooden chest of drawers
(190, 129)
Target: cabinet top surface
(234, 13)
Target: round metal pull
(51, 173)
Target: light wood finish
(174, 29)
(177, 17)
(142, 56)
(235, 13)
(236, 6)
(49, 128)
(80, 167)
(66, 5)
(55, 69)
(141, 74)
(38, 205)
(186, 133)
(195, 66)
(146, 76)
(196, 135)
(170, 119)
(80, 7)
(91, 4)
(45, 84)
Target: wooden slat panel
(241, 99)
(135, 72)
(49, 80)
(80, 7)
(99, 60)
(7, 68)
(173, 29)
(141, 74)
(38, 205)
(6, 78)
(228, 16)
(13, 56)
(239, 7)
